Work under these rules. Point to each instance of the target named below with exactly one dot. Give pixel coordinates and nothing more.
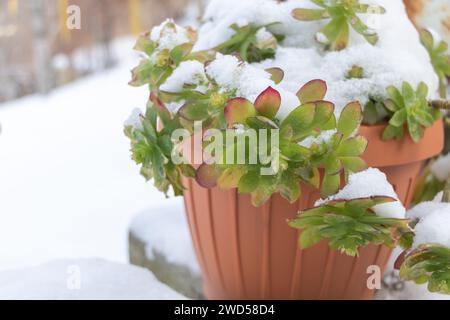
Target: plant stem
(446, 195)
(440, 104)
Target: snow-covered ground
(152, 228)
(90, 279)
(68, 188)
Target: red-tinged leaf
(144, 44)
(161, 108)
(238, 110)
(350, 119)
(427, 39)
(207, 175)
(324, 112)
(230, 178)
(353, 164)
(309, 14)
(312, 91)
(401, 258)
(315, 178)
(268, 103)
(179, 52)
(277, 74)
(341, 41)
(390, 105)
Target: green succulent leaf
(343, 15)
(352, 147)
(194, 111)
(349, 225)
(370, 35)
(299, 120)
(180, 52)
(353, 164)
(268, 103)
(356, 72)
(324, 115)
(155, 70)
(151, 149)
(230, 178)
(440, 59)
(399, 118)
(264, 191)
(144, 44)
(428, 186)
(289, 188)
(246, 43)
(330, 184)
(376, 111)
(429, 263)
(249, 182)
(392, 132)
(141, 74)
(277, 74)
(410, 111)
(312, 91)
(310, 14)
(238, 110)
(350, 119)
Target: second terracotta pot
(251, 253)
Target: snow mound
(134, 120)
(86, 279)
(434, 223)
(220, 15)
(398, 56)
(323, 137)
(165, 230)
(441, 168)
(370, 183)
(168, 35)
(232, 75)
(188, 72)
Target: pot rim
(382, 153)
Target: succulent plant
(252, 43)
(411, 109)
(375, 112)
(152, 149)
(297, 161)
(356, 72)
(349, 225)
(429, 263)
(160, 61)
(200, 106)
(343, 14)
(428, 186)
(440, 59)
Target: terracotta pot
(251, 253)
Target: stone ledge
(179, 277)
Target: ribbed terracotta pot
(251, 253)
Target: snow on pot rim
(441, 168)
(370, 183)
(433, 225)
(398, 55)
